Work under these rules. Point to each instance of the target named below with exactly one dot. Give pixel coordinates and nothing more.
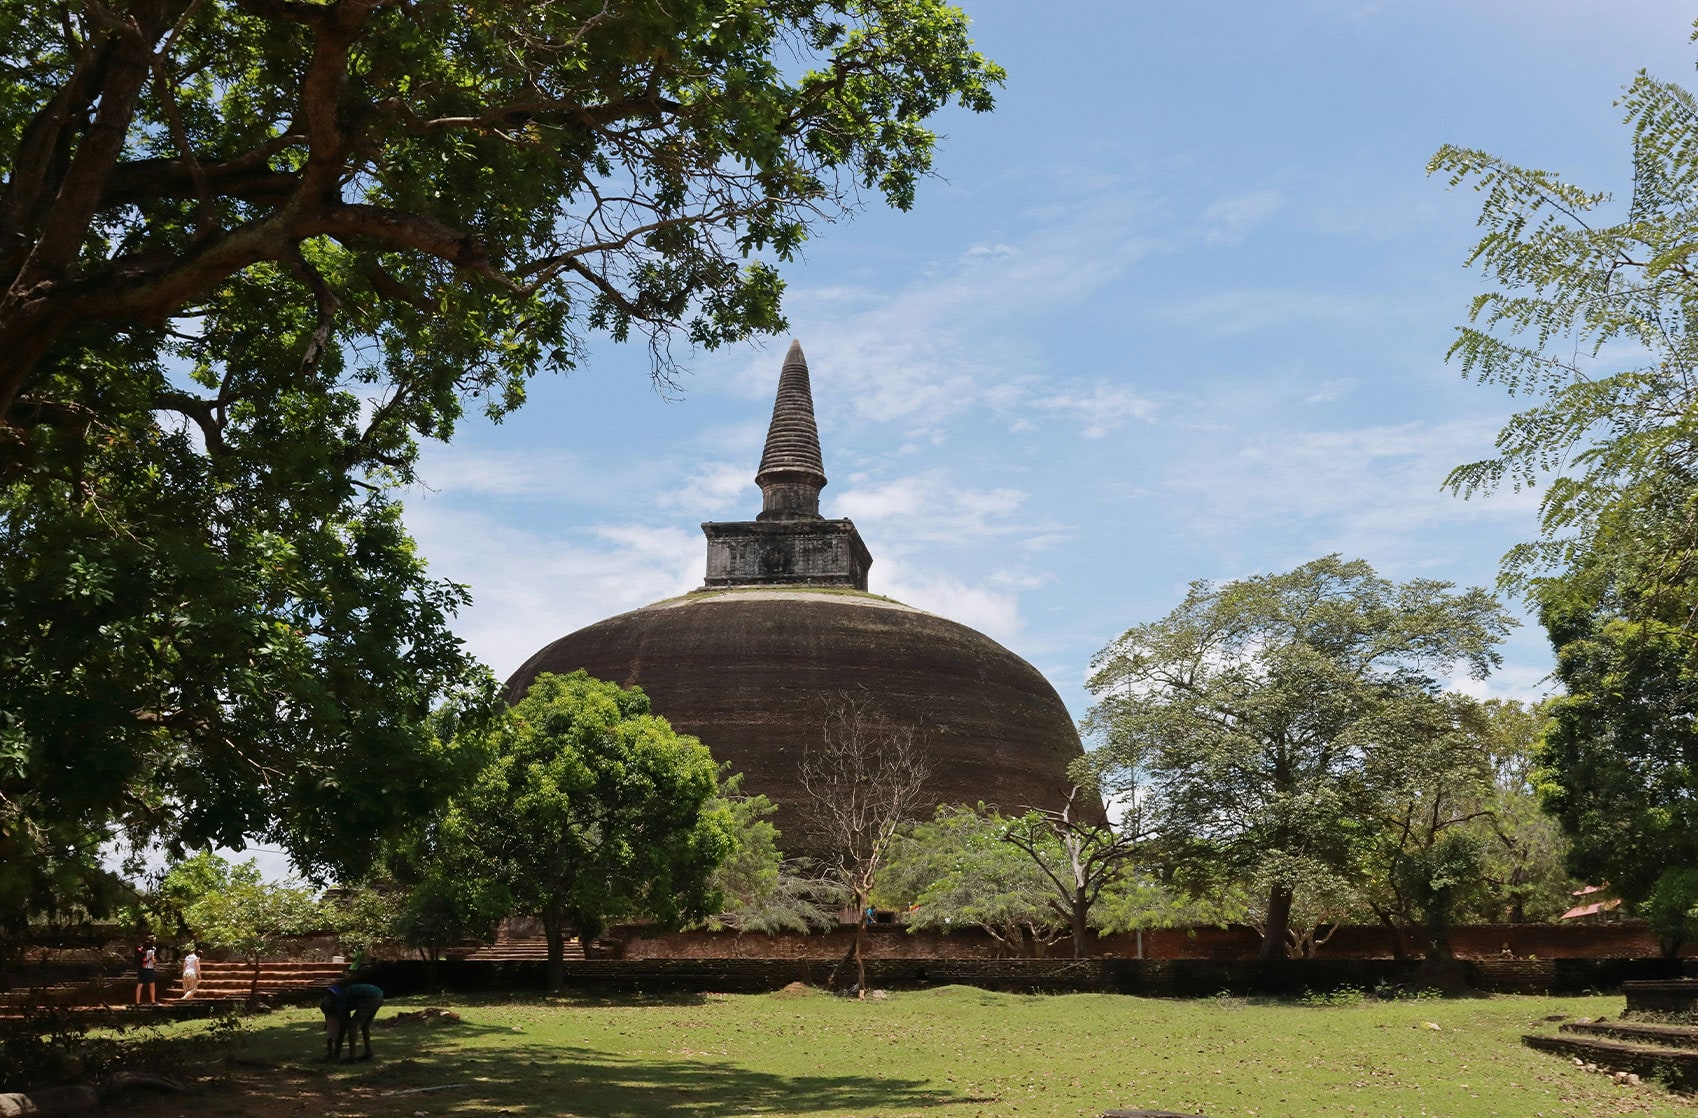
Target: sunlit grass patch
(954, 1052)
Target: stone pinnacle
(792, 472)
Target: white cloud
(1241, 312)
(1100, 409)
(531, 588)
(497, 473)
(994, 612)
(1227, 220)
(932, 506)
(716, 487)
(955, 337)
(1373, 492)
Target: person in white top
(191, 972)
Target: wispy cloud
(992, 610)
(530, 587)
(1228, 220)
(932, 506)
(956, 337)
(1239, 312)
(1374, 491)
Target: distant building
(783, 625)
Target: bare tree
(1079, 857)
(864, 779)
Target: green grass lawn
(951, 1053)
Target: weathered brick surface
(752, 673)
(1532, 945)
(1148, 977)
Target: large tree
(1588, 316)
(593, 809)
(251, 251)
(1255, 711)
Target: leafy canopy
(1590, 316)
(1265, 716)
(252, 251)
(593, 810)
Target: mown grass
(955, 1052)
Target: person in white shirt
(191, 972)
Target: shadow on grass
(466, 1063)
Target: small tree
(763, 892)
(960, 873)
(864, 779)
(248, 916)
(365, 916)
(1078, 858)
(451, 892)
(1256, 708)
(594, 809)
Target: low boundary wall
(1351, 941)
(1144, 977)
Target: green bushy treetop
(253, 251)
(592, 809)
(1588, 317)
(1263, 715)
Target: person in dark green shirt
(348, 1009)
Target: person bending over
(349, 1009)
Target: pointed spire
(792, 471)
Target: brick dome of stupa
(752, 662)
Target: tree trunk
(1438, 942)
(860, 938)
(554, 929)
(1080, 906)
(1278, 928)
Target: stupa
(752, 661)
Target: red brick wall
(1543, 941)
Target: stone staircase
(230, 981)
(508, 948)
(1668, 1053)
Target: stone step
(1674, 1066)
(1666, 1036)
(522, 949)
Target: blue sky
(1178, 309)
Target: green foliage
(248, 916)
(254, 252)
(364, 917)
(1672, 908)
(1523, 869)
(1589, 317)
(1268, 717)
(961, 872)
(202, 654)
(164, 909)
(762, 892)
(450, 892)
(1619, 753)
(592, 809)
(1137, 901)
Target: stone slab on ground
(1673, 997)
(1676, 1067)
(1668, 1036)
